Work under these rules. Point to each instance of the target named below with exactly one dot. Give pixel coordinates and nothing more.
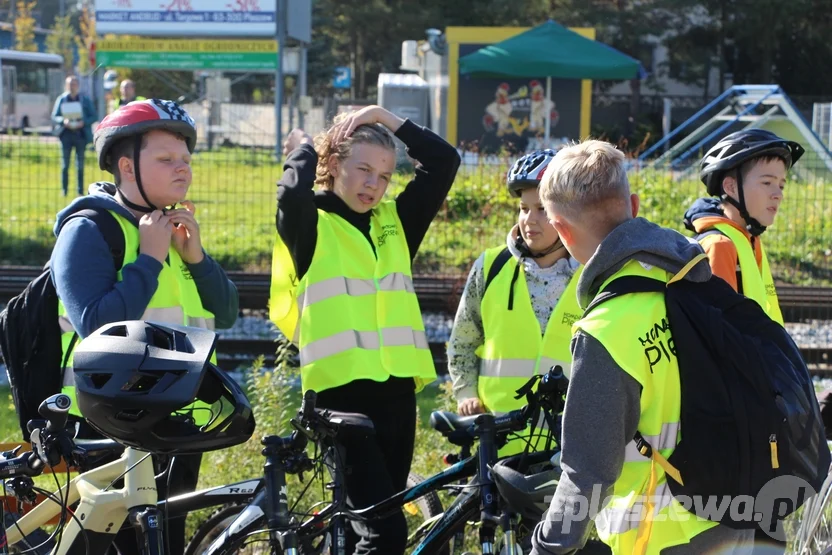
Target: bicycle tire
(429, 506)
(212, 527)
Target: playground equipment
(741, 106)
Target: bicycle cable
(123, 474)
(49, 495)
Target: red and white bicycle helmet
(134, 120)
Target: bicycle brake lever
(302, 429)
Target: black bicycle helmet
(528, 170)
(528, 493)
(134, 120)
(736, 149)
(152, 386)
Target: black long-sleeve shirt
(417, 205)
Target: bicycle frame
(252, 518)
(102, 510)
(236, 493)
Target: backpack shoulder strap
(623, 286)
(498, 264)
(110, 229)
(699, 236)
(715, 231)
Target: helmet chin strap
(754, 227)
(527, 252)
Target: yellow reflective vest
(515, 349)
(642, 516)
(176, 301)
(354, 315)
(757, 283)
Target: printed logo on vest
(186, 272)
(658, 343)
(388, 230)
(771, 290)
(570, 318)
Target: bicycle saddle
(453, 426)
(350, 422)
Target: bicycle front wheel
(215, 525)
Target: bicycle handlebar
(55, 410)
(49, 441)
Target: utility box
(405, 95)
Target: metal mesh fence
(235, 194)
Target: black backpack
(749, 412)
(30, 337)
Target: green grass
(235, 194)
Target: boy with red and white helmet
(166, 275)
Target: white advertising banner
(178, 18)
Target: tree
(24, 27)
(62, 40)
(758, 41)
(85, 39)
(366, 35)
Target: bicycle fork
(277, 502)
(488, 513)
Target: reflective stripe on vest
(514, 348)
(621, 519)
(635, 332)
(340, 285)
(354, 315)
(176, 300)
(757, 282)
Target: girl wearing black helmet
(514, 319)
(746, 170)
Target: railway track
(441, 293)
(233, 353)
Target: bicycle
(86, 455)
(108, 495)
(268, 511)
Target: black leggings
(377, 467)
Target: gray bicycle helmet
(527, 493)
(153, 387)
(528, 170)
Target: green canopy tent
(554, 51)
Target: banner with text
(176, 18)
(225, 55)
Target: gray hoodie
(603, 402)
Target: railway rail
(441, 294)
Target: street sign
(191, 55)
(342, 78)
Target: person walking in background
(73, 115)
(128, 93)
